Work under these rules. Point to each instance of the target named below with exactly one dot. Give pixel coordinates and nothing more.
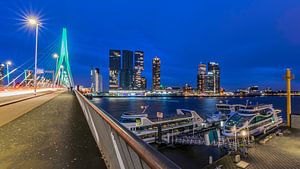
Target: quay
(55, 134)
(280, 152)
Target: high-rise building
(96, 78)
(201, 78)
(138, 68)
(126, 78)
(155, 73)
(2, 66)
(209, 83)
(213, 79)
(114, 68)
(143, 83)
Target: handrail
(152, 157)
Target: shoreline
(196, 96)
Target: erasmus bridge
(46, 123)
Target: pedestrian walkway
(53, 135)
(281, 152)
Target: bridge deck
(53, 135)
(15, 97)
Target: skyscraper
(96, 79)
(138, 68)
(2, 66)
(201, 78)
(114, 68)
(155, 73)
(209, 83)
(126, 78)
(143, 83)
(214, 77)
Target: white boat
(229, 109)
(224, 110)
(252, 120)
(185, 121)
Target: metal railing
(120, 148)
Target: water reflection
(168, 105)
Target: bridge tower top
(63, 70)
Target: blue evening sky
(253, 40)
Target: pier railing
(120, 148)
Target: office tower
(138, 68)
(2, 66)
(209, 83)
(114, 68)
(126, 78)
(96, 79)
(143, 83)
(155, 73)
(100, 82)
(214, 70)
(201, 78)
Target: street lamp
(243, 133)
(55, 56)
(33, 21)
(8, 63)
(60, 71)
(235, 139)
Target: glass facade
(126, 78)
(201, 78)
(138, 69)
(214, 81)
(156, 73)
(114, 68)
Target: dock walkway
(281, 152)
(53, 135)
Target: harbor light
(244, 133)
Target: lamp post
(8, 63)
(55, 56)
(248, 133)
(61, 69)
(235, 140)
(32, 21)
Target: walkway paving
(281, 152)
(53, 135)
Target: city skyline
(255, 54)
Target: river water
(187, 156)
